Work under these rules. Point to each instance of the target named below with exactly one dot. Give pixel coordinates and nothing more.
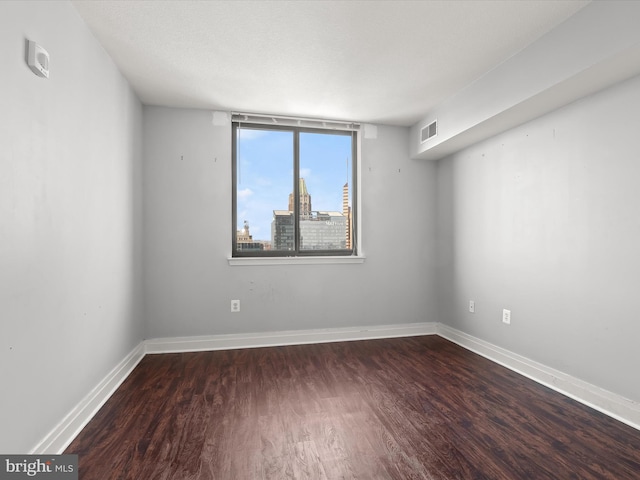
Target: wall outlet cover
(235, 306)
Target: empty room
(319, 239)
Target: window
(293, 187)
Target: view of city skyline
(265, 174)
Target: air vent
(429, 131)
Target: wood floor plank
(406, 408)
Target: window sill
(252, 261)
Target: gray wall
(70, 166)
(187, 236)
(544, 220)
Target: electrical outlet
(472, 306)
(506, 316)
(235, 306)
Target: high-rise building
(346, 211)
(305, 200)
(323, 231)
(319, 230)
(282, 230)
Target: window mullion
(353, 221)
(234, 178)
(296, 190)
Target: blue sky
(265, 174)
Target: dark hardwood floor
(419, 407)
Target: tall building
(305, 200)
(282, 230)
(323, 231)
(319, 230)
(346, 211)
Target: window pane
(325, 191)
(293, 191)
(264, 179)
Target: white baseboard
(63, 434)
(290, 337)
(620, 408)
(611, 404)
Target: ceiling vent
(429, 131)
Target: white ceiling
(385, 62)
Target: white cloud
(245, 193)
